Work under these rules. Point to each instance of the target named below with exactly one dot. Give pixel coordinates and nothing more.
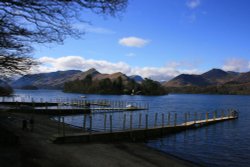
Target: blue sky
(158, 39)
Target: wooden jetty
(34, 104)
(139, 134)
(117, 109)
(49, 111)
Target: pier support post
(16, 104)
(207, 117)
(63, 126)
(222, 114)
(156, 116)
(162, 120)
(59, 123)
(175, 119)
(131, 121)
(90, 124)
(215, 114)
(169, 119)
(140, 120)
(84, 122)
(185, 115)
(195, 117)
(124, 121)
(33, 103)
(110, 121)
(146, 124)
(105, 121)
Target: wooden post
(124, 121)
(175, 119)
(58, 123)
(201, 116)
(84, 122)
(63, 126)
(195, 117)
(156, 115)
(140, 120)
(146, 124)
(90, 124)
(215, 115)
(33, 103)
(16, 104)
(222, 114)
(110, 121)
(169, 119)
(188, 116)
(131, 121)
(105, 120)
(162, 120)
(185, 115)
(207, 117)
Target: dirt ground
(26, 148)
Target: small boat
(130, 106)
(83, 96)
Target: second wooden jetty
(139, 134)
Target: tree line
(117, 86)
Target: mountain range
(213, 81)
(211, 78)
(56, 80)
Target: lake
(222, 144)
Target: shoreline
(35, 148)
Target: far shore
(34, 148)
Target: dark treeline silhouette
(117, 86)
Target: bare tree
(25, 22)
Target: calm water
(223, 144)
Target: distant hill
(215, 81)
(218, 76)
(243, 78)
(56, 80)
(187, 80)
(81, 75)
(53, 80)
(136, 78)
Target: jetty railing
(96, 105)
(110, 123)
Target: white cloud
(236, 64)
(167, 72)
(192, 4)
(133, 42)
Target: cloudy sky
(158, 39)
